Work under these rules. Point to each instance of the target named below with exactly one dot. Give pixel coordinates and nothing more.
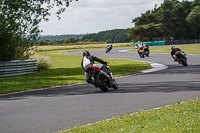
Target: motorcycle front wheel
(183, 61)
(115, 85)
(100, 84)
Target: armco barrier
(19, 67)
(174, 42)
(153, 43)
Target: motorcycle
(102, 78)
(108, 48)
(180, 57)
(141, 53)
(146, 52)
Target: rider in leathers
(139, 46)
(88, 60)
(174, 50)
(146, 47)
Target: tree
(69, 40)
(165, 15)
(19, 25)
(145, 32)
(43, 42)
(109, 41)
(194, 19)
(174, 18)
(116, 36)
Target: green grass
(65, 70)
(80, 47)
(188, 49)
(182, 117)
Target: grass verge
(182, 117)
(65, 70)
(78, 47)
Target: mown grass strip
(80, 47)
(182, 117)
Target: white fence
(20, 67)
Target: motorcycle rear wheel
(100, 84)
(142, 55)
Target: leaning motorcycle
(101, 78)
(141, 53)
(181, 58)
(146, 52)
(108, 48)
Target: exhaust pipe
(104, 74)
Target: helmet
(139, 42)
(86, 53)
(173, 47)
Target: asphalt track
(54, 109)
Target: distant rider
(174, 50)
(139, 46)
(88, 60)
(109, 47)
(146, 47)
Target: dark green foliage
(116, 36)
(45, 42)
(19, 28)
(194, 19)
(173, 18)
(145, 32)
(70, 40)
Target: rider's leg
(89, 80)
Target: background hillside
(61, 37)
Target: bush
(69, 40)
(109, 41)
(43, 62)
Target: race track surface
(54, 109)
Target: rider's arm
(82, 63)
(171, 53)
(98, 60)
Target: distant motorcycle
(181, 58)
(101, 78)
(146, 49)
(146, 52)
(108, 48)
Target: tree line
(179, 20)
(60, 37)
(109, 36)
(19, 25)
